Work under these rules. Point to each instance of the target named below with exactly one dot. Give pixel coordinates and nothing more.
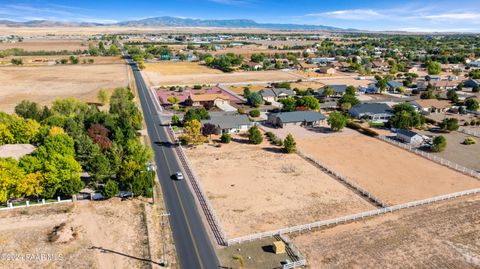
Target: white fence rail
(27, 204)
(447, 163)
(295, 264)
(469, 132)
(325, 223)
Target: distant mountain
(239, 23)
(167, 21)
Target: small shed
(409, 137)
(279, 247)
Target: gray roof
(394, 84)
(276, 91)
(337, 88)
(227, 120)
(372, 108)
(299, 116)
(406, 132)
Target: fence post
(43, 201)
(10, 205)
(28, 203)
(58, 198)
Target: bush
(241, 111)
(110, 189)
(470, 141)
(430, 121)
(450, 124)
(337, 121)
(270, 135)
(289, 144)
(225, 138)
(369, 132)
(354, 125)
(255, 136)
(254, 113)
(439, 144)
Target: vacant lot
(47, 45)
(157, 79)
(50, 60)
(457, 152)
(440, 235)
(307, 85)
(114, 225)
(180, 68)
(46, 83)
(253, 87)
(392, 174)
(256, 188)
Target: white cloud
(230, 2)
(350, 14)
(456, 16)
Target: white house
(409, 137)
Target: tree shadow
(323, 130)
(268, 248)
(273, 150)
(241, 141)
(104, 250)
(165, 144)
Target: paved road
(192, 242)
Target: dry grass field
(47, 44)
(256, 188)
(50, 60)
(168, 68)
(392, 174)
(307, 84)
(157, 79)
(238, 89)
(44, 84)
(442, 235)
(114, 225)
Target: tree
(433, 68)
(450, 124)
(337, 121)
(347, 98)
(74, 60)
(288, 104)
(17, 61)
(472, 104)
(99, 135)
(382, 85)
(225, 138)
(308, 102)
(29, 110)
(452, 95)
(254, 135)
(405, 117)
(175, 120)
(350, 90)
(254, 113)
(209, 129)
(289, 144)
(328, 91)
(23, 130)
(476, 88)
(103, 96)
(459, 86)
(173, 100)
(198, 114)
(254, 99)
(428, 94)
(439, 144)
(192, 132)
(30, 185)
(6, 137)
(110, 189)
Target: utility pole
(162, 223)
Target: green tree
(347, 98)
(289, 144)
(254, 135)
(382, 85)
(110, 189)
(450, 124)
(328, 91)
(433, 68)
(192, 132)
(308, 102)
(288, 104)
(472, 104)
(175, 120)
(350, 90)
(337, 121)
(225, 138)
(254, 113)
(173, 100)
(29, 110)
(24, 130)
(452, 95)
(439, 143)
(103, 97)
(405, 117)
(6, 137)
(254, 99)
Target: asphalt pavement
(192, 241)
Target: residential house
(433, 77)
(254, 66)
(393, 85)
(470, 83)
(303, 118)
(409, 137)
(370, 89)
(308, 66)
(327, 70)
(229, 122)
(377, 112)
(272, 95)
(213, 99)
(432, 105)
(378, 66)
(338, 90)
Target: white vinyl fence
(295, 264)
(469, 132)
(28, 204)
(325, 223)
(447, 163)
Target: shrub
(110, 189)
(450, 124)
(241, 111)
(337, 121)
(369, 132)
(470, 141)
(254, 113)
(439, 144)
(430, 121)
(289, 144)
(270, 135)
(354, 125)
(225, 138)
(254, 135)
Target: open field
(465, 155)
(343, 81)
(47, 44)
(168, 68)
(392, 174)
(441, 235)
(238, 89)
(50, 60)
(306, 85)
(113, 225)
(157, 79)
(44, 84)
(256, 188)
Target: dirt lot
(114, 225)
(46, 83)
(180, 68)
(253, 87)
(50, 60)
(47, 44)
(442, 235)
(465, 155)
(307, 84)
(157, 79)
(256, 188)
(392, 174)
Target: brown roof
(207, 97)
(307, 65)
(439, 104)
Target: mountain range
(167, 21)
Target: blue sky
(408, 15)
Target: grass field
(179, 68)
(257, 188)
(113, 225)
(44, 84)
(392, 174)
(441, 235)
